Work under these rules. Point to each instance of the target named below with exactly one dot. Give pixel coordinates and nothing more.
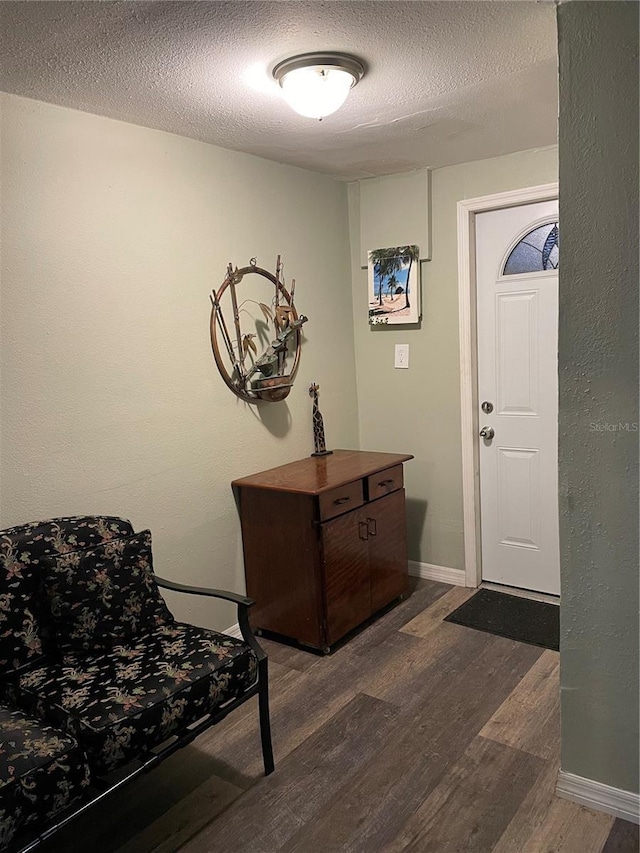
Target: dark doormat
(534, 622)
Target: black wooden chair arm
(201, 590)
(242, 602)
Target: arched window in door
(537, 251)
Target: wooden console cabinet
(324, 543)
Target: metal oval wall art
(250, 376)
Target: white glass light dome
(317, 84)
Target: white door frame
(467, 211)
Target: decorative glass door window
(537, 251)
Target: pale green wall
(418, 410)
(113, 236)
(598, 370)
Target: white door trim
(467, 211)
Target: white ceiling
(447, 81)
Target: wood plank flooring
(417, 735)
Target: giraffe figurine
(320, 448)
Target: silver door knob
(487, 432)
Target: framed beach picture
(394, 285)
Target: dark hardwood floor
(417, 735)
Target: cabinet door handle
(363, 530)
(386, 482)
(372, 527)
(339, 501)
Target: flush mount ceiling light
(317, 84)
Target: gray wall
(418, 410)
(598, 364)
(113, 236)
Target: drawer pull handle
(372, 526)
(339, 501)
(386, 482)
(363, 531)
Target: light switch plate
(401, 356)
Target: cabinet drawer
(389, 480)
(341, 500)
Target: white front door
(517, 313)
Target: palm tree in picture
(392, 283)
(385, 263)
(408, 255)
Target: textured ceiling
(447, 81)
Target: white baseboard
(437, 573)
(233, 631)
(596, 795)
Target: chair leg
(265, 725)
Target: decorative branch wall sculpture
(252, 377)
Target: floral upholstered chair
(42, 772)
(96, 672)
